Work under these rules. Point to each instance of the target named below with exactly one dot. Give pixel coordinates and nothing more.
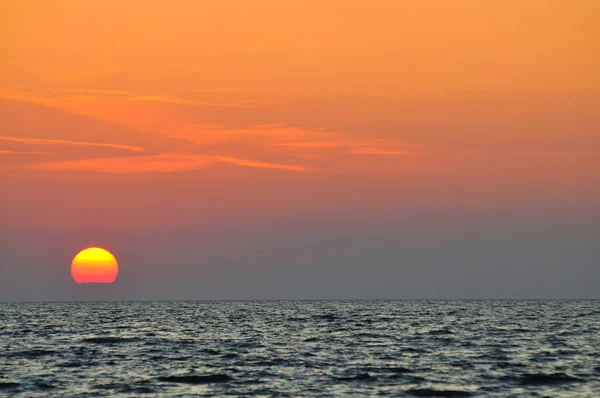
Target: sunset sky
(301, 149)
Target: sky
(309, 149)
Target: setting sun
(94, 265)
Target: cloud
(54, 97)
(162, 163)
(309, 144)
(385, 152)
(559, 153)
(43, 141)
(217, 90)
(3, 152)
(267, 145)
(263, 165)
(313, 147)
(290, 138)
(169, 99)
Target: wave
(549, 379)
(358, 377)
(45, 386)
(111, 340)
(327, 317)
(194, 379)
(32, 354)
(430, 392)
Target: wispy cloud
(262, 165)
(309, 144)
(560, 153)
(88, 93)
(162, 163)
(44, 141)
(385, 152)
(169, 99)
(4, 152)
(60, 97)
(217, 90)
(292, 138)
(268, 145)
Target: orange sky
(235, 149)
(490, 102)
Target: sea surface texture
(301, 348)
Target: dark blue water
(296, 348)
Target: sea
(470, 348)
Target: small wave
(8, 384)
(32, 354)
(186, 341)
(566, 333)
(311, 339)
(180, 359)
(358, 377)
(127, 388)
(548, 379)
(412, 378)
(77, 364)
(440, 332)
(430, 392)
(136, 390)
(504, 365)
(462, 365)
(398, 369)
(327, 317)
(110, 386)
(296, 319)
(70, 364)
(211, 351)
(193, 379)
(367, 335)
(44, 386)
(110, 340)
(415, 350)
(392, 369)
(229, 355)
(246, 344)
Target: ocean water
(301, 348)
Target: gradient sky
(301, 149)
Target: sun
(94, 265)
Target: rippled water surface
(301, 348)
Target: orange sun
(94, 265)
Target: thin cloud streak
(123, 95)
(262, 165)
(162, 163)
(3, 152)
(44, 141)
(558, 153)
(290, 138)
(385, 152)
(169, 99)
(310, 144)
